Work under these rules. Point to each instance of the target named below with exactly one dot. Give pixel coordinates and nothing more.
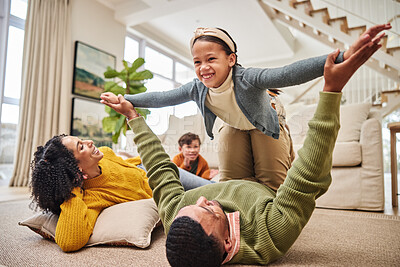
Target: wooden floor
(16, 193)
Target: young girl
(254, 144)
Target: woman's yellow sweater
(120, 181)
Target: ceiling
(171, 23)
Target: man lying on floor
(245, 222)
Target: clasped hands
(119, 104)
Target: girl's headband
(213, 32)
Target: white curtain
(47, 52)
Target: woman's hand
(119, 104)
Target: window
(169, 73)
(12, 25)
(15, 46)
(158, 62)
(131, 49)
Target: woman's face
(85, 152)
(211, 63)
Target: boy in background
(190, 160)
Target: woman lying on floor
(76, 180)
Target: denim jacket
(250, 86)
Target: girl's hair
(224, 45)
(55, 173)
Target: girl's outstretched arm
(173, 97)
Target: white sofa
(357, 174)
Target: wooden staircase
(334, 32)
(378, 83)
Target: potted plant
(128, 81)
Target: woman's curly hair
(55, 173)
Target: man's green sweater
(269, 222)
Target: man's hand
(366, 37)
(119, 104)
(337, 75)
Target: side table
(394, 128)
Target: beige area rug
(331, 238)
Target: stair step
(355, 32)
(322, 14)
(305, 6)
(339, 23)
(395, 91)
(384, 43)
(394, 51)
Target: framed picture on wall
(86, 122)
(89, 66)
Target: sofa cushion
(346, 154)
(351, 119)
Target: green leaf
(113, 113)
(125, 63)
(120, 123)
(136, 64)
(110, 73)
(137, 90)
(123, 76)
(107, 109)
(139, 76)
(109, 85)
(115, 137)
(118, 90)
(138, 84)
(143, 111)
(124, 128)
(109, 124)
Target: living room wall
(93, 24)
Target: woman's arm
(75, 223)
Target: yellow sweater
(120, 181)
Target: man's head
(189, 145)
(199, 235)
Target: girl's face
(211, 63)
(85, 152)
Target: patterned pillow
(125, 224)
